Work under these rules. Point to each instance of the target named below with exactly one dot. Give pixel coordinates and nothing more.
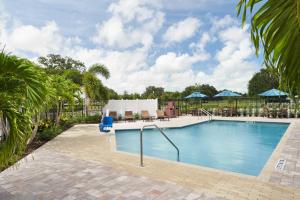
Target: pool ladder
(207, 113)
(161, 131)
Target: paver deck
(57, 176)
(82, 164)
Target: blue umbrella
(227, 93)
(273, 93)
(195, 95)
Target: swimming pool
(235, 146)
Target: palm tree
(93, 86)
(62, 91)
(23, 91)
(276, 27)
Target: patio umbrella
(227, 93)
(196, 95)
(273, 93)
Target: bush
(136, 116)
(49, 133)
(92, 119)
(44, 124)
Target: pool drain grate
(280, 164)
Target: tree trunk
(87, 104)
(35, 129)
(4, 128)
(57, 119)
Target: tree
(22, 93)
(93, 86)
(153, 92)
(57, 64)
(262, 81)
(112, 94)
(63, 90)
(75, 71)
(208, 90)
(131, 96)
(171, 96)
(204, 88)
(275, 26)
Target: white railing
(207, 113)
(162, 132)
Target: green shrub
(136, 116)
(92, 119)
(49, 133)
(44, 124)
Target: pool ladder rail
(207, 113)
(142, 147)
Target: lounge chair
(114, 115)
(145, 115)
(268, 113)
(225, 112)
(283, 113)
(161, 115)
(233, 112)
(128, 116)
(105, 124)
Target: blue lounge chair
(105, 124)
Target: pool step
(280, 164)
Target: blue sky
(171, 44)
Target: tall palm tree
(22, 92)
(275, 26)
(93, 86)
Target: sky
(170, 44)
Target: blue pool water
(228, 145)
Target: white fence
(136, 106)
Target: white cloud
(125, 41)
(182, 30)
(171, 63)
(203, 41)
(234, 68)
(235, 59)
(189, 5)
(133, 22)
(24, 39)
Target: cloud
(171, 63)
(206, 5)
(182, 30)
(128, 43)
(24, 39)
(203, 41)
(132, 23)
(235, 60)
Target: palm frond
(23, 91)
(99, 69)
(276, 26)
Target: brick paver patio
(56, 176)
(290, 175)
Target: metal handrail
(161, 131)
(207, 113)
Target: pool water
(241, 147)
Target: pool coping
(265, 172)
